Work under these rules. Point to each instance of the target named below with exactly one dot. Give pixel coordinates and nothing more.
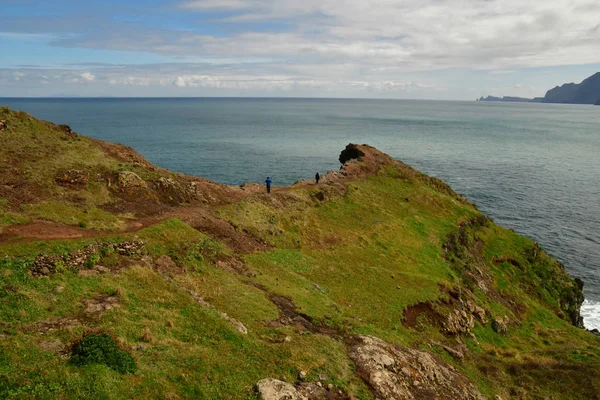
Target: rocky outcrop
(3, 125)
(83, 259)
(174, 191)
(72, 178)
(500, 325)
(273, 389)
(351, 152)
(128, 179)
(400, 373)
(458, 322)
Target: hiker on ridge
(317, 177)
(268, 183)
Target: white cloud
(215, 4)
(379, 46)
(86, 76)
(410, 35)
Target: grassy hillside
(214, 288)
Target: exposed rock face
(457, 322)
(500, 325)
(351, 152)
(176, 192)
(273, 389)
(128, 179)
(73, 178)
(399, 373)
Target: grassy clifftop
(378, 282)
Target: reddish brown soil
(411, 313)
(43, 230)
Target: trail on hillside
(193, 215)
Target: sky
(414, 49)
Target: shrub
(102, 348)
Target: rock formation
(401, 373)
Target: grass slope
(352, 261)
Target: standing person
(268, 183)
(317, 177)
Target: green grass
(352, 263)
(85, 217)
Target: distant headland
(586, 92)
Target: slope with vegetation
(122, 280)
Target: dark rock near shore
(351, 152)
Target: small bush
(94, 258)
(102, 348)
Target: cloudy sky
(432, 49)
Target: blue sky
(426, 49)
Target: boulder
(397, 373)
(273, 389)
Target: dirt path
(200, 217)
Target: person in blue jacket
(268, 183)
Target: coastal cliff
(124, 280)
(586, 92)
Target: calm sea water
(531, 167)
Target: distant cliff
(511, 99)
(586, 92)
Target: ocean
(534, 168)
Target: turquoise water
(531, 167)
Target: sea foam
(590, 311)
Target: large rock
(128, 179)
(399, 373)
(273, 389)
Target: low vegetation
(206, 297)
